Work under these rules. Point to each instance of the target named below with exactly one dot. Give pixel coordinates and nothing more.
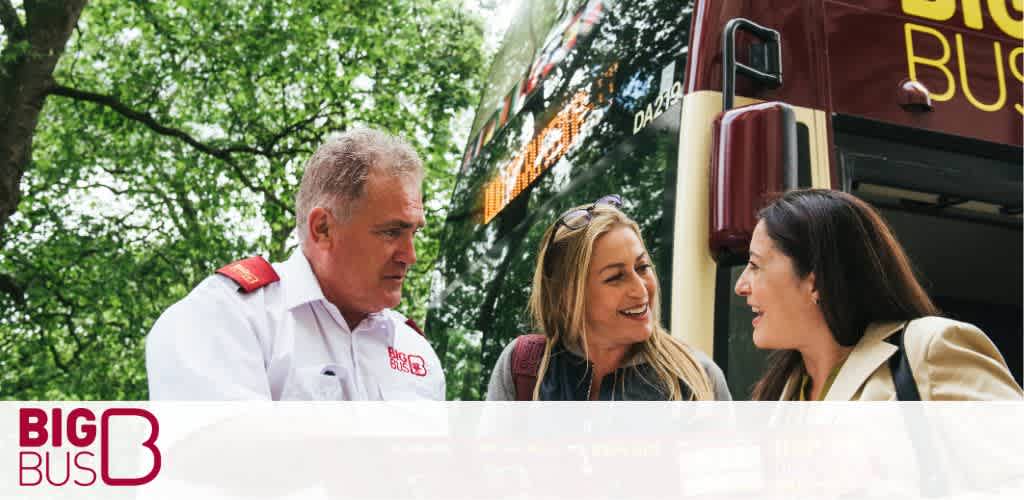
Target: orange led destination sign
(538, 155)
(545, 149)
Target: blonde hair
(558, 304)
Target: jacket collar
(866, 357)
(634, 358)
(569, 377)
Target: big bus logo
(58, 449)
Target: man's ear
(319, 224)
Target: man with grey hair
(319, 325)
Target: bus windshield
(595, 112)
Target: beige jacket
(950, 360)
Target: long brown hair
(558, 302)
(860, 270)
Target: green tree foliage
(172, 141)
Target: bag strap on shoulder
(899, 365)
(526, 356)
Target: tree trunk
(30, 54)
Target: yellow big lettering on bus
(1009, 25)
(1000, 76)
(972, 14)
(1015, 68)
(936, 10)
(913, 60)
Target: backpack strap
(250, 274)
(526, 356)
(902, 376)
(930, 471)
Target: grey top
(502, 388)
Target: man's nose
(406, 253)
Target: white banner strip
(511, 450)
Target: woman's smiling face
(783, 303)
(620, 290)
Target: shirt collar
(298, 281)
(301, 287)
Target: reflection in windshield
(486, 269)
(520, 61)
(560, 136)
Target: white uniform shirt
(284, 341)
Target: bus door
(955, 205)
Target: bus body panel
(974, 82)
(804, 73)
(851, 59)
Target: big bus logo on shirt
(407, 363)
(58, 448)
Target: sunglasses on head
(578, 218)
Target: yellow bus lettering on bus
(944, 10)
(920, 37)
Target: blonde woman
(595, 297)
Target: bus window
(605, 119)
(735, 353)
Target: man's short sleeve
(206, 348)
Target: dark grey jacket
(568, 378)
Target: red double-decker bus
(692, 111)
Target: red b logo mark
(149, 444)
(417, 366)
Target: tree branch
(143, 118)
(53, 352)
(223, 154)
(296, 127)
(9, 18)
(68, 320)
(11, 287)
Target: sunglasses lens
(576, 219)
(611, 199)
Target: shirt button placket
(359, 385)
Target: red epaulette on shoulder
(412, 324)
(250, 274)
